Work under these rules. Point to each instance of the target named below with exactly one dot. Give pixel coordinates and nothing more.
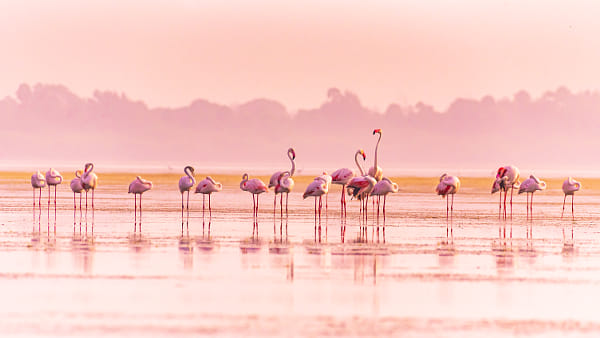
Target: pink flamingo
(448, 185)
(89, 180)
(344, 175)
(317, 188)
(77, 188)
(569, 187)
(360, 187)
(531, 185)
(507, 177)
(255, 187)
(375, 171)
(383, 188)
(138, 187)
(285, 184)
(185, 184)
(273, 180)
(38, 181)
(206, 187)
(53, 178)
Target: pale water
(94, 275)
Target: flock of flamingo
(360, 186)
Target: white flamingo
(206, 187)
(328, 179)
(531, 185)
(448, 185)
(383, 188)
(185, 184)
(53, 178)
(255, 187)
(77, 188)
(38, 181)
(569, 187)
(291, 154)
(285, 184)
(375, 171)
(138, 187)
(507, 177)
(344, 175)
(89, 181)
(317, 188)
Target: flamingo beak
(376, 131)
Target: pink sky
(168, 53)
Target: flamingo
(375, 171)
(344, 175)
(285, 184)
(77, 187)
(448, 185)
(328, 179)
(291, 154)
(89, 180)
(569, 187)
(360, 187)
(53, 178)
(38, 181)
(138, 187)
(507, 177)
(185, 184)
(317, 188)
(255, 187)
(383, 188)
(531, 185)
(206, 187)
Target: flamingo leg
(573, 205)
(287, 194)
(93, 190)
(40, 199)
(281, 205)
(563, 209)
(452, 207)
(209, 207)
(203, 203)
(315, 214)
(34, 198)
(320, 207)
(253, 207)
(134, 212)
(531, 207)
(188, 204)
(384, 198)
(86, 204)
(511, 196)
(274, 204)
(447, 207)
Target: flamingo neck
(376, 148)
(293, 163)
(358, 164)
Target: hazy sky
(169, 52)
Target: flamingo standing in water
(317, 188)
(360, 187)
(291, 154)
(507, 177)
(448, 185)
(138, 187)
(255, 187)
(285, 184)
(89, 180)
(185, 184)
(531, 185)
(383, 188)
(206, 187)
(328, 179)
(375, 171)
(344, 175)
(53, 178)
(38, 181)
(77, 188)
(569, 187)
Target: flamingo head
(443, 176)
(190, 168)
(500, 172)
(377, 131)
(362, 152)
(245, 177)
(291, 150)
(87, 166)
(78, 173)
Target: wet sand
(95, 274)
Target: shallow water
(94, 274)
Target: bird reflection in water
(503, 250)
(83, 246)
(137, 242)
(205, 243)
(186, 249)
(279, 245)
(365, 267)
(445, 248)
(568, 240)
(253, 243)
